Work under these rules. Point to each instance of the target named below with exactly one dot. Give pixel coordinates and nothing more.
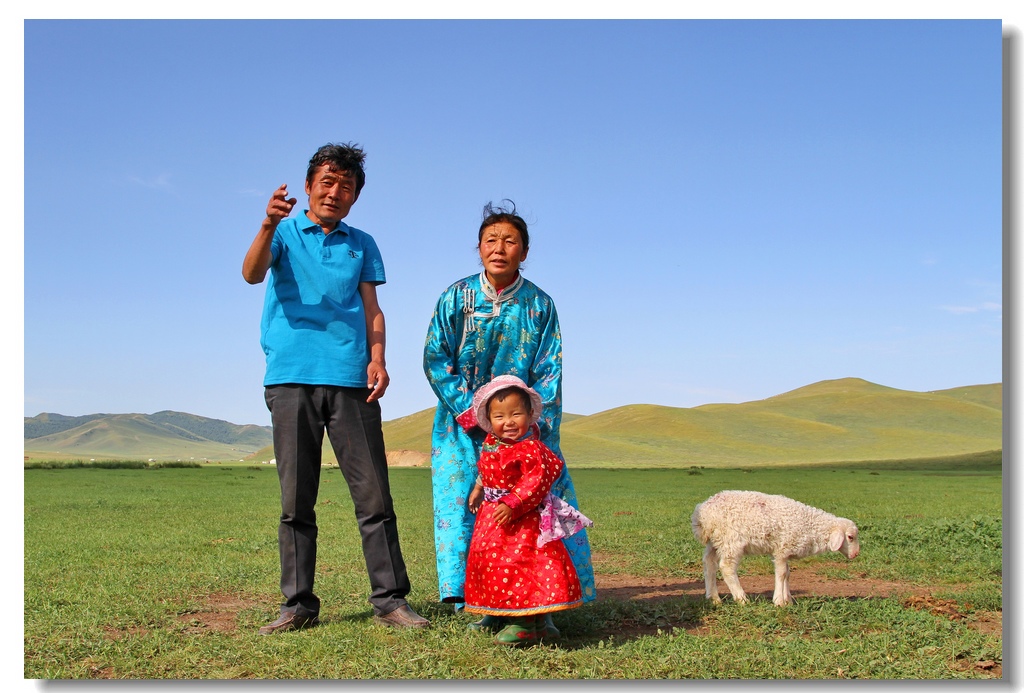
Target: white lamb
(731, 524)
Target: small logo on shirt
(353, 254)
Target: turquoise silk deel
(475, 335)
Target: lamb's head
(844, 538)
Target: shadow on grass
(620, 615)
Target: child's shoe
(491, 624)
(521, 631)
(550, 631)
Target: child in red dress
(517, 565)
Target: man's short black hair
(340, 158)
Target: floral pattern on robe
(474, 335)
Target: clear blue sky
(722, 211)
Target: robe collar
(505, 294)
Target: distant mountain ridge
(46, 424)
(848, 419)
(165, 434)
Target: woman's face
(501, 251)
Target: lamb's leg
(711, 574)
(729, 565)
(782, 595)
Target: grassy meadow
(168, 572)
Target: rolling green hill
(48, 424)
(841, 420)
(410, 432)
(831, 421)
(834, 420)
(988, 395)
(165, 435)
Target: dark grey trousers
(300, 414)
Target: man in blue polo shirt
(323, 334)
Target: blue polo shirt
(314, 329)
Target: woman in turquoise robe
(478, 332)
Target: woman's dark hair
(340, 158)
(495, 214)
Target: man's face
(331, 195)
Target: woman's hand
(476, 498)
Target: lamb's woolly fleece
(732, 524)
(754, 523)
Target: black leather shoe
(289, 621)
(402, 617)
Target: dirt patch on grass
(940, 607)
(94, 671)
(987, 622)
(990, 667)
(115, 634)
(219, 611)
(407, 458)
(806, 582)
(803, 581)
(219, 614)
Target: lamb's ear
(836, 538)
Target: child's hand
(502, 514)
(476, 497)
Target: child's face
(510, 418)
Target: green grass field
(167, 573)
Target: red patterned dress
(507, 573)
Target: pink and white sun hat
(482, 396)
